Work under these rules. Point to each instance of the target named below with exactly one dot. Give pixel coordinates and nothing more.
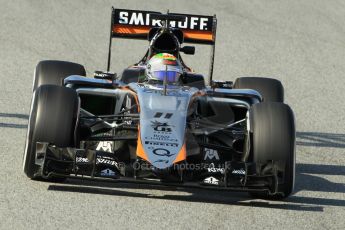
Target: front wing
(102, 166)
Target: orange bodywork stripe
(189, 34)
(198, 35)
(140, 149)
(182, 154)
(121, 29)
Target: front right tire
(273, 145)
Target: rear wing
(136, 24)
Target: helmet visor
(171, 76)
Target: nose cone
(162, 125)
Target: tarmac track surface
(299, 42)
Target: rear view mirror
(104, 75)
(188, 50)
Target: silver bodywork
(163, 113)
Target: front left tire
(53, 119)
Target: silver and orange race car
(159, 122)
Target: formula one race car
(159, 122)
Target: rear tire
(53, 116)
(50, 72)
(269, 88)
(273, 128)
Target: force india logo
(143, 19)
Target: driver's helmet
(164, 66)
